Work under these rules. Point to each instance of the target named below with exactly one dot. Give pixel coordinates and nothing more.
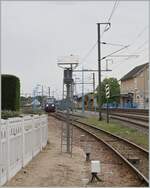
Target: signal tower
(67, 129)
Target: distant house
(35, 102)
(134, 87)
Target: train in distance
(50, 104)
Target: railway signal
(107, 92)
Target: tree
(114, 90)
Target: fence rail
(21, 140)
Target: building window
(135, 83)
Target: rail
(118, 147)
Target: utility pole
(53, 93)
(99, 67)
(94, 99)
(49, 91)
(82, 90)
(42, 95)
(99, 72)
(93, 82)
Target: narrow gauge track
(135, 156)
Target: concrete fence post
(8, 149)
(23, 143)
(41, 129)
(21, 140)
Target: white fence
(21, 140)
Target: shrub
(9, 114)
(10, 92)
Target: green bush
(10, 92)
(29, 110)
(9, 114)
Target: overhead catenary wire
(138, 48)
(89, 52)
(111, 14)
(115, 52)
(93, 47)
(112, 44)
(141, 58)
(135, 40)
(139, 35)
(143, 44)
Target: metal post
(107, 112)
(99, 71)
(93, 82)
(33, 100)
(99, 66)
(68, 123)
(63, 90)
(42, 95)
(0, 111)
(83, 91)
(94, 91)
(49, 94)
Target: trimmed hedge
(10, 92)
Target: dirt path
(51, 167)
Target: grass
(117, 128)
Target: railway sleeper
(113, 140)
(134, 160)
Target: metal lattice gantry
(68, 63)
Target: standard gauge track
(135, 156)
(139, 120)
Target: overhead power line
(115, 52)
(93, 47)
(112, 44)
(139, 35)
(134, 41)
(89, 52)
(143, 44)
(111, 14)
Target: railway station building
(134, 88)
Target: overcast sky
(35, 34)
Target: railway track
(138, 118)
(140, 121)
(130, 111)
(133, 155)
